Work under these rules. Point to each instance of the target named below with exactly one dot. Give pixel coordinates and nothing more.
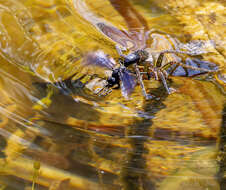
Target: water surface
(73, 139)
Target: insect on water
(142, 56)
(120, 77)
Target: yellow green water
(50, 140)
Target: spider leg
(170, 63)
(182, 64)
(161, 71)
(159, 60)
(179, 52)
(141, 81)
(158, 65)
(194, 68)
(165, 73)
(163, 79)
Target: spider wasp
(140, 56)
(123, 77)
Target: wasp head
(114, 79)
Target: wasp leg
(163, 79)
(141, 82)
(106, 92)
(99, 91)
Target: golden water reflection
(53, 140)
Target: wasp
(120, 76)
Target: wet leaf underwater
(56, 133)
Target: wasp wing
(100, 59)
(130, 40)
(128, 82)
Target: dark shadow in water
(132, 17)
(69, 149)
(63, 105)
(3, 144)
(222, 151)
(67, 87)
(134, 173)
